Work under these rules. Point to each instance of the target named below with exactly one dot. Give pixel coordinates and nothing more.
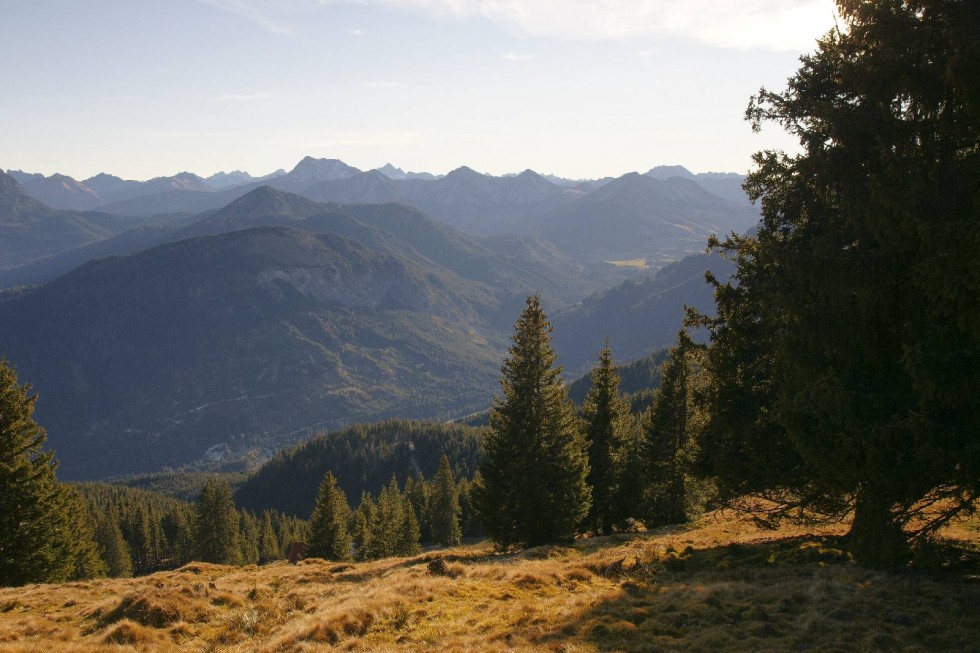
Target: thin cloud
(265, 14)
(767, 24)
(518, 57)
(356, 32)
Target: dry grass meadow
(722, 586)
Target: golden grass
(721, 586)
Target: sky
(577, 88)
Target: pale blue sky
(578, 88)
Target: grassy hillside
(722, 586)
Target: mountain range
(220, 336)
(657, 216)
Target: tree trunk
(875, 539)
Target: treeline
(138, 532)
(396, 522)
(362, 458)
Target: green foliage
(392, 525)
(845, 352)
(112, 546)
(270, 548)
(217, 525)
(362, 458)
(248, 529)
(671, 430)
(637, 377)
(607, 432)
(533, 484)
(444, 506)
(329, 538)
(44, 536)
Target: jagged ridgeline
(361, 458)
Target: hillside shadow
(798, 593)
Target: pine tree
(864, 286)
(607, 432)
(82, 545)
(329, 538)
(673, 495)
(533, 484)
(269, 549)
(360, 527)
(36, 523)
(387, 522)
(217, 525)
(112, 546)
(248, 531)
(408, 532)
(444, 506)
(417, 489)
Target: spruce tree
(607, 432)
(360, 527)
(248, 532)
(217, 525)
(329, 538)
(37, 526)
(408, 532)
(387, 522)
(864, 284)
(269, 549)
(82, 545)
(532, 488)
(444, 506)
(673, 495)
(112, 546)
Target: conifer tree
(36, 524)
(360, 527)
(82, 545)
(329, 538)
(533, 484)
(387, 523)
(607, 432)
(863, 285)
(408, 533)
(417, 489)
(269, 549)
(670, 425)
(112, 546)
(248, 529)
(444, 506)
(217, 525)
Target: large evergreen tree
(670, 438)
(217, 525)
(607, 432)
(444, 509)
(532, 487)
(864, 288)
(329, 538)
(38, 528)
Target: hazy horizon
(578, 89)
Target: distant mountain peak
(266, 200)
(464, 172)
(313, 170)
(391, 172)
(666, 172)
